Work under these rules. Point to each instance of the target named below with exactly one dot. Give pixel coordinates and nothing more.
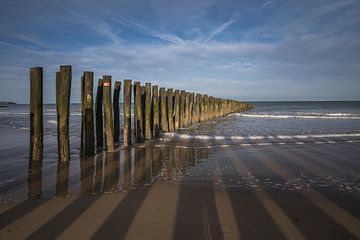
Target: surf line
(326, 116)
(255, 144)
(255, 137)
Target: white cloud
(220, 29)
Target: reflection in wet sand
(34, 179)
(62, 183)
(125, 170)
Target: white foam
(256, 137)
(52, 121)
(303, 116)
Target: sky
(247, 50)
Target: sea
(268, 123)
(265, 119)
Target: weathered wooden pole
(87, 137)
(206, 107)
(109, 128)
(148, 111)
(99, 115)
(182, 108)
(138, 112)
(197, 109)
(170, 109)
(202, 108)
(36, 114)
(187, 109)
(191, 108)
(177, 109)
(155, 102)
(116, 109)
(36, 132)
(127, 112)
(143, 98)
(210, 108)
(82, 115)
(164, 116)
(63, 90)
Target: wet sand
(187, 190)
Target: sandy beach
(190, 191)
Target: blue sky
(248, 50)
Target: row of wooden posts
(155, 110)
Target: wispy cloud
(220, 29)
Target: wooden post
(143, 98)
(191, 108)
(138, 112)
(99, 115)
(63, 90)
(116, 109)
(87, 137)
(164, 121)
(182, 108)
(148, 111)
(197, 108)
(206, 107)
(155, 103)
(36, 132)
(36, 114)
(82, 115)
(202, 108)
(187, 109)
(177, 109)
(109, 128)
(170, 109)
(127, 112)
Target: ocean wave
(303, 116)
(257, 137)
(52, 121)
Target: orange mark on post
(106, 84)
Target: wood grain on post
(99, 115)
(36, 133)
(197, 109)
(170, 109)
(202, 108)
(187, 109)
(191, 108)
(177, 109)
(82, 115)
(206, 107)
(143, 98)
(182, 108)
(138, 112)
(164, 121)
(109, 128)
(156, 119)
(148, 111)
(116, 109)
(36, 114)
(63, 91)
(127, 112)
(87, 137)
